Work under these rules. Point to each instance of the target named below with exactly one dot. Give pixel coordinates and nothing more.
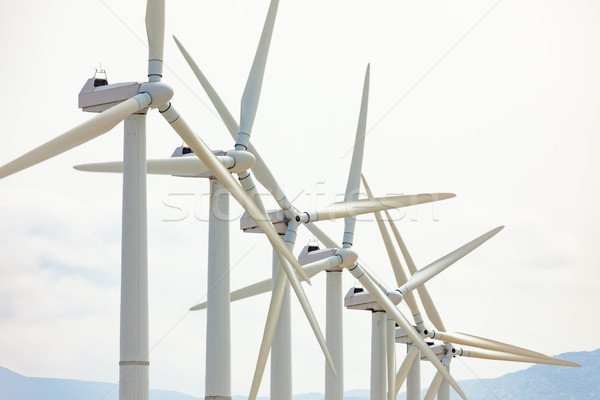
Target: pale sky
(494, 101)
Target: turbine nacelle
(359, 299)
(97, 95)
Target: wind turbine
(491, 349)
(134, 349)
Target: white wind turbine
(491, 349)
(133, 375)
(383, 332)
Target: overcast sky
(496, 101)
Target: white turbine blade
(226, 116)
(271, 325)
(498, 355)
(259, 169)
(404, 369)
(188, 166)
(266, 285)
(78, 135)
(253, 87)
(428, 272)
(243, 293)
(224, 176)
(434, 387)
(345, 209)
(179, 166)
(353, 184)
(430, 309)
(412, 333)
(269, 332)
(155, 29)
(489, 344)
(322, 236)
(399, 273)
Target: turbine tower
(129, 103)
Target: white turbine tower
(129, 103)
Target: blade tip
(498, 229)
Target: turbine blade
(224, 176)
(224, 113)
(186, 166)
(430, 309)
(404, 369)
(322, 236)
(434, 387)
(78, 135)
(498, 355)
(353, 184)
(344, 209)
(273, 318)
(259, 169)
(489, 344)
(243, 293)
(266, 285)
(269, 332)
(155, 29)
(399, 274)
(253, 87)
(428, 272)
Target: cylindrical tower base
(413, 380)
(218, 325)
(378, 356)
(134, 345)
(281, 348)
(334, 385)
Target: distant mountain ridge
(539, 382)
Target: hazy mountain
(14, 386)
(542, 381)
(535, 383)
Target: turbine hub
(159, 92)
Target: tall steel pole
(378, 356)
(413, 380)
(134, 344)
(334, 386)
(218, 321)
(281, 348)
